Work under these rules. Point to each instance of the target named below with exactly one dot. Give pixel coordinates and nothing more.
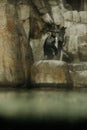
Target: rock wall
(75, 36)
(15, 53)
(76, 32)
(18, 46)
(62, 13)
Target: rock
(81, 66)
(68, 24)
(79, 78)
(23, 14)
(82, 47)
(83, 52)
(46, 18)
(15, 54)
(50, 73)
(37, 49)
(76, 41)
(52, 2)
(76, 16)
(77, 30)
(78, 72)
(58, 17)
(68, 16)
(72, 46)
(83, 16)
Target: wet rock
(50, 73)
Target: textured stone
(50, 72)
(58, 17)
(15, 54)
(76, 16)
(83, 16)
(76, 41)
(46, 18)
(77, 30)
(81, 66)
(23, 13)
(37, 49)
(68, 16)
(79, 78)
(68, 24)
(78, 72)
(82, 47)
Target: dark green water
(46, 105)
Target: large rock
(15, 53)
(76, 41)
(78, 72)
(50, 73)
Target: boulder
(50, 73)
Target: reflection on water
(43, 104)
(20, 107)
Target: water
(43, 105)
